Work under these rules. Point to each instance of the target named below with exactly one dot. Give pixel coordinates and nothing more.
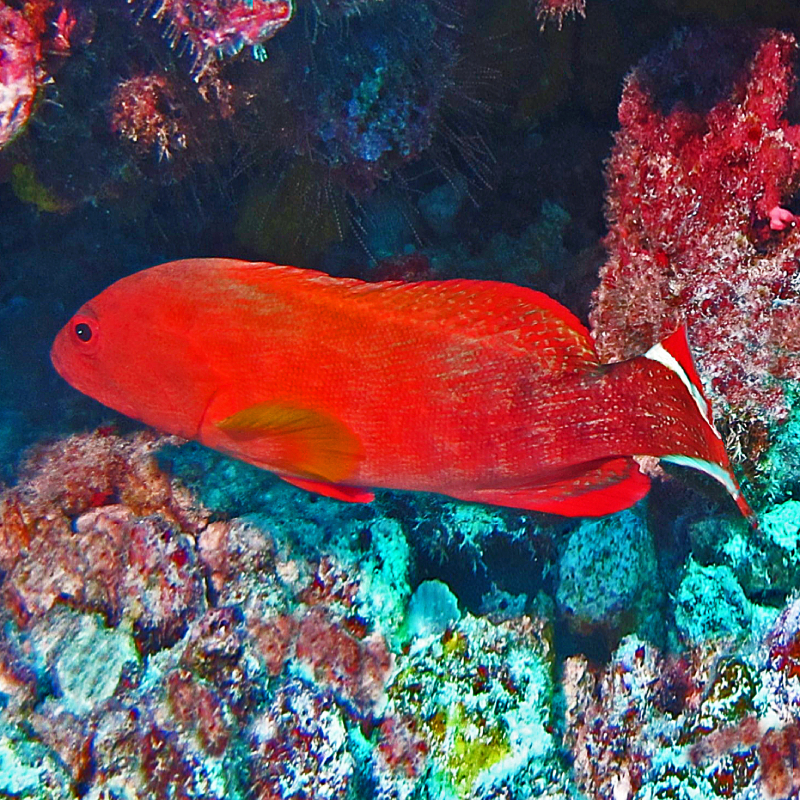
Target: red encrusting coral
(704, 156)
(32, 40)
(171, 125)
(274, 639)
(198, 708)
(779, 757)
(776, 753)
(20, 53)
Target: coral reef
(369, 110)
(144, 110)
(301, 748)
(182, 651)
(178, 624)
(21, 51)
(212, 27)
(470, 708)
(713, 723)
(704, 156)
(608, 580)
(33, 40)
(130, 560)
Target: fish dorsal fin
(511, 316)
(306, 443)
(514, 317)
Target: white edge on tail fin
(710, 468)
(660, 354)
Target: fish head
(131, 348)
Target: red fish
(479, 390)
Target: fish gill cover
(174, 623)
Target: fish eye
(83, 331)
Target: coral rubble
(716, 722)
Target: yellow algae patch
(468, 744)
(28, 188)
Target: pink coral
(222, 26)
(32, 39)
(20, 52)
(704, 156)
(401, 746)
(330, 584)
(199, 709)
(274, 639)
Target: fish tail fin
(673, 353)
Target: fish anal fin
(591, 490)
(350, 494)
(290, 438)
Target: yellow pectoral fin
(305, 442)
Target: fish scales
(476, 389)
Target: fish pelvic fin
(349, 494)
(305, 443)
